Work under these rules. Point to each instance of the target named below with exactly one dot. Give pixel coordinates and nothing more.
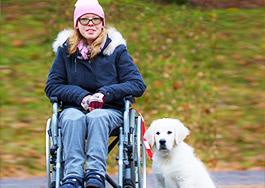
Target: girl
(91, 73)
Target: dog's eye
(169, 132)
(158, 133)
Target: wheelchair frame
(131, 157)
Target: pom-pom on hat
(87, 6)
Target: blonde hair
(76, 38)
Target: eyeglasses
(85, 21)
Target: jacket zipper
(75, 64)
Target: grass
(204, 67)
(240, 60)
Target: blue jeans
(96, 127)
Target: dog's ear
(149, 136)
(181, 132)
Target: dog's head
(164, 134)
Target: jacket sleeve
(130, 79)
(57, 85)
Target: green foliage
(172, 1)
(202, 67)
(177, 1)
(105, 2)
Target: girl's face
(90, 26)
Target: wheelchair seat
(131, 152)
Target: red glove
(96, 101)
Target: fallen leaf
(157, 83)
(200, 74)
(186, 107)
(17, 43)
(176, 85)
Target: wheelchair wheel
(138, 167)
(141, 158)
(48, 139)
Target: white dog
(174, 163)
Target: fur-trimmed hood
(113, 34)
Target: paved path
(238, 179)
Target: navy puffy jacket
(112, 72)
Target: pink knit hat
(87, 6)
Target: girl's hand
(96, 101)
(85, 102)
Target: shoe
(73, 182)
(94, 180)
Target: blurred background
(202, 62)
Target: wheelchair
(131, 150)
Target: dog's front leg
(186, 184)
(160, 182)
(170, 182)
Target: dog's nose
(162, 141)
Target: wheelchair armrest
(57, 104)
(130, 98)
(54, 100)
